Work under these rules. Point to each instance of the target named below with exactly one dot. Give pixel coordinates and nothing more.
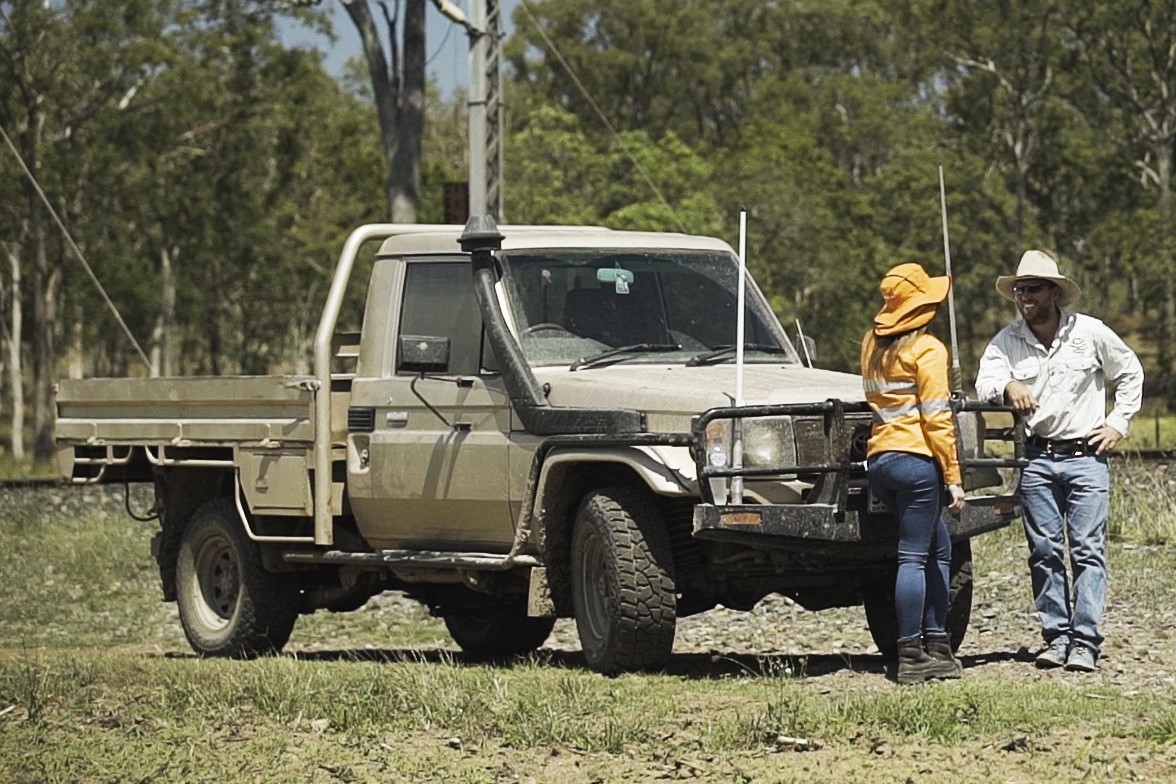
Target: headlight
(767, 441)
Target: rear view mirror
(423, 354)
(620, 278)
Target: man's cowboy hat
(1039, 265)
(912, 298)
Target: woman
(911, 454)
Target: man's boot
(938, 647)
(915, 666)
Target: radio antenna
(957, 381)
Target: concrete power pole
(485, 110)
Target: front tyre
(229, 604)
(623, 592)
(878, 599)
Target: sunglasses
(1030, 288)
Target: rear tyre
(229, 604)
(489, 628)
(623, 592)
(878, 599)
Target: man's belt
(1074, 447)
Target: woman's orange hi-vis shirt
(912, 403)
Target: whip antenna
(957, 381)
(737, 425)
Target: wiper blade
(723, 353)
(621, 352)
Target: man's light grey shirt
(1068, 378)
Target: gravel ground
(835, 645)
(1139, 624)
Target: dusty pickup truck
(532, 423)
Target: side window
(439, 301)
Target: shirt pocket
(1075, 370)
(1027, 370)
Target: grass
(1143, 502)
(1151, 429)
(97, 685)
(113, 716)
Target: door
(436, 468)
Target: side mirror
(423, 354)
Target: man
(1052, 365)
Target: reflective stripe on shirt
(882, 385)
(906, 409)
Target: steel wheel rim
(593, 580)
(217, 585)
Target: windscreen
(569, 304)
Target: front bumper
(786, 525)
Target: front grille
(811, 437)
(810, 440)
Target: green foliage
(187, 131)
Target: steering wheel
(545, 326)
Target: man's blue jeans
(912, 486)
(1067, 497)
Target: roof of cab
(430, 239)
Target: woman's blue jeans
(912, 486)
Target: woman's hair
(883, 349)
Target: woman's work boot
(938, 647)
(915, 666)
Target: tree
(689, 70)
(1002, 61)
(1129, 54)
(398, 89)
(65, 65)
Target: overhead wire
(77, 251)
(526, 5)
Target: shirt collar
(1066, 321)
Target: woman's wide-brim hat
(1039, 265)
(912, 299)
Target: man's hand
(1104, 439)
(956, 494)
(1020, 397)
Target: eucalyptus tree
(1002, 63)
(264, 166)
(1128, 52)
(641, 65)
(398, 82)
(63, 67)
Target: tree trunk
(1168, 308)
(163, 335)
(398, 86)
(15, 367)
(46, 281)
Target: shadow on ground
(694, 665)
